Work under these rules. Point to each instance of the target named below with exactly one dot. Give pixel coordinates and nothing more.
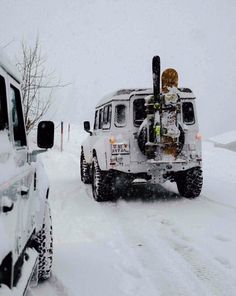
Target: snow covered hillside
(147, 244)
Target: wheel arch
(101, 158)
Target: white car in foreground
(25, 221)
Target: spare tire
(142, 137)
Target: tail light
(198, 137)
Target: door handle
(24, 191)
(7, 204)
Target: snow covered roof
(125, 94)
(8, 67)
(225, 138)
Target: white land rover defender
(25, 221)
(144, 136)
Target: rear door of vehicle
(137, 116)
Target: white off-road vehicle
(143, 136)
(25, 221)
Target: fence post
(61, 136)
(68, 132)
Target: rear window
(120, 115)
(100, 119)
(188, 113)
(139, 111)
(107, 117)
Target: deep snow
(148, 244)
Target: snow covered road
(150, 243)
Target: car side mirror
(87, 127)
(45, 138)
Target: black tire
(84, 170)
(189, 182)
(44, 245)
(142, 139)
(102, 189)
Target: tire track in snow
(58, 286)
(159, 265)
(53, 287)
(218, 203)
(181, 261)
(218, 280)
(206, 270)
(137, 282)
(206, 273)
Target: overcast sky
(100, 46)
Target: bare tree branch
(37, 85)
(6, 45)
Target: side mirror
(45, 138)
(87, 127)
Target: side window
(107, 117)
(100, 119)
(96, 120)
(3, 105)
(17, 118)
(120, 115)
(139, 111)
(188, 113)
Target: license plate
(119, 149)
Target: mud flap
(28, 268)
(27, 271)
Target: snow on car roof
(8, 67)
(125, 94)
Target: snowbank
(226, 140)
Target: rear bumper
(147, 166)
(153, 171)
(161, 172)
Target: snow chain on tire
(102, 191)
(44, 246)
(84, 170)
(190, 182)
